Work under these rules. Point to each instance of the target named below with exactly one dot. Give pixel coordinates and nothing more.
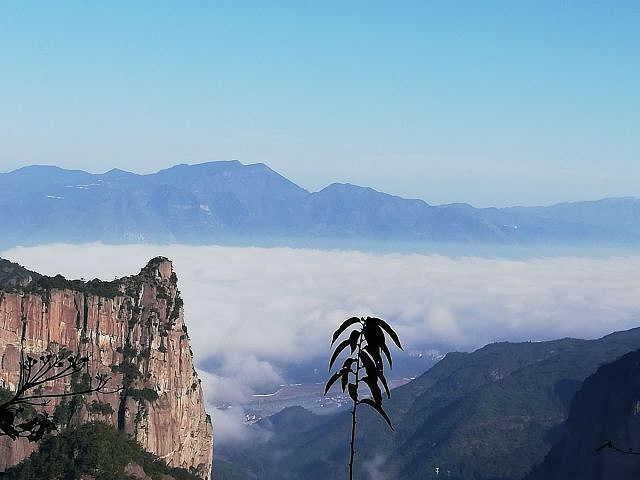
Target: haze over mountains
(218, 201)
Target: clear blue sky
(493, 103)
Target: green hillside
(488, 415)
(93, 451)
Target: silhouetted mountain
(215, 201)
(487, 415)
(606, 408)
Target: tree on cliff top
(18, 418)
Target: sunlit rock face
(132, 329)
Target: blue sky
(492, 103)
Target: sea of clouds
(249, 310)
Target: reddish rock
(132, 325)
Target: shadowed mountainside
(607, 407)
(487, 415)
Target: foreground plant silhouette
(34, 375)
(367, 343)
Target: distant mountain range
(219, 201)
(493, 414)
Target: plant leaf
(375, 354)
(373, 334)
(348, 362)
(353, 392)
(387, 354)
(379, 409)
(344, 344)
(387, 328)
(332, 380)
(372, 383)
(346, 324)
(345, 379)
(367, 361)
(353, 339)
(384, 383)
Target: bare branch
(50, 368)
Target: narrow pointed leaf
(332, 380)
(384, 383)
(345, 379)
(344, 344)
(353, 340)
(387, 354)
(367, 361)
(387, 328)
(375, 354)
(378, 409)
(346, 324)
(372, 383)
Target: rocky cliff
(606, 408)
(134, 330)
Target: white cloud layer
(250, 308)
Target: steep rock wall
(133, 329)
(606, 408)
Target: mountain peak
(347, 187)
(118, 173)
(213, 166)
(36, 168)
(159, 267)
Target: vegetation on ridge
(92, 450)
(15, 278)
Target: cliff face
(133, 329)
(607, 407)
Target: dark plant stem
(353, 439)
(353, 413)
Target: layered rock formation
(133, 329)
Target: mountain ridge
(207, 202)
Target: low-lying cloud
(250, 309)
